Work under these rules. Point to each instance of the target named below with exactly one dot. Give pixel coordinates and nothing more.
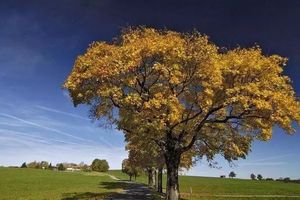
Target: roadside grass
(34, 184)
(205, 188)
(122, 176)
(44, 184)
(193, 187)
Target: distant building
(72, 169)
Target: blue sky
(40, 40)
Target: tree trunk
(151, 178)
(159, 180)
(172, 157)
(130, 178)
(155, 178)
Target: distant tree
(24, 165)
(286, 179)
(33, 164)
(80, 165)
(85, 168)
(269, 179)
(61, 167)
(129, 168)
(222, 176)
(100, 165)
(232, 174)
(50, 167)
(259, 177)
(43, 165)
(279, 179)
(252, 176)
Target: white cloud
(60, 112)
(46, 128)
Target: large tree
(99, 165)
(187, 91)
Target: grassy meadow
(37, 184)
(206, 187)
(45, 184)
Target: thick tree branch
(199, 127)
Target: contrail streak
(45, 127)
(60, 112)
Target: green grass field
(205, 187)
(43, 184)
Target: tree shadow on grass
(85, 195)
(120, 190)
(113, 186)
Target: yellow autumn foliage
(183, 88)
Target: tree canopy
(259, 177)
(185, 92)
(100, 165)
(232, 174)
(130, 168)
(164, 80)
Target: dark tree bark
(155, 178)
(130, 178)
(159, 180)
(172, 157)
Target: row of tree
(254, 177)
(97, 165)
(146, 156)
(38, 165)
(232, 174)
(178, 95)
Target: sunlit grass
(44, 184)
(206, 187)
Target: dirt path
(133, 191)
(113, 177)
